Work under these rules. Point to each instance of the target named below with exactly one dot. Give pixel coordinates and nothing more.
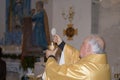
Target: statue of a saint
(40, 36)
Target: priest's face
(85, 49)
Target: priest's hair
(96, 48)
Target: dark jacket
(2, 70)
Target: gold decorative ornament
(70, 32)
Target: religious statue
(40, 36)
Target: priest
(90, 63)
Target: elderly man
(88, 64)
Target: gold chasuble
(71, 55)
(92, 67)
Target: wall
(82, 19)
(109, 28)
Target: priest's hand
(51, 52)
(57, 39)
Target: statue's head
(39, 5)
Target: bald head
(99, 40)
(92, 44)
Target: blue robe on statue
(39, 36)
